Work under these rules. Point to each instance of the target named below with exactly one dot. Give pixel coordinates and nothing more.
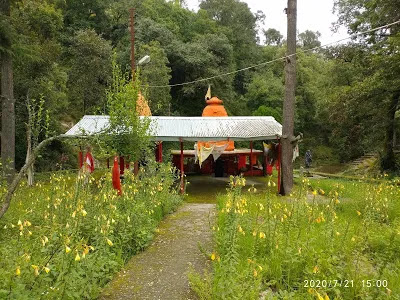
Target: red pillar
(251, 158)
(121, 165)
(136, 168)
(160, 152)
(182, 171)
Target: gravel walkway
(160, 272)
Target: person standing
(308, 159)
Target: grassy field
(331, 239)
(65, 237)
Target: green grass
(271, 245)
(206, 189)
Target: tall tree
(309, 39)
(288, 104)
(90, 73)
(239, 24)
(156, 72)
(273, 37)
(7, 97)
(384, 49)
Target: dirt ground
(160, 272)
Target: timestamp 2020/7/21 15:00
(347, 283)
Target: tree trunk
(388, 160)
(6, 199)
(288, 104)
(29, 171)
(8, 111)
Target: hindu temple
(219, 158)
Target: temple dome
(215, 108)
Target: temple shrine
(219, 158)
(213, 135)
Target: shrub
(66, 237)
(319, 245)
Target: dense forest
(347, 95)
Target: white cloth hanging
(218, 150)
(296, 152)
(204, 153)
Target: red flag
(115, 176)
(89, 162)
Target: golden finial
(208, 95)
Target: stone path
(160, 272)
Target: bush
(324, 154)
(319, 245)
(65, 238)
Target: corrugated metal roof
(193, 128)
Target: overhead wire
(283, 58)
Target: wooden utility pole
(289, 103)
(132, 25)
(8, 103)
(132, 21)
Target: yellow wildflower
(315, 270)
(18, 271)
(84, 213)
(262, 235)
(358, 213)
(314, 192)
(77, 257)
(213, 256)
(36, 269)
(67, 249)
(109, 242)
(319, 297)
(255, 273)
(46, 269)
